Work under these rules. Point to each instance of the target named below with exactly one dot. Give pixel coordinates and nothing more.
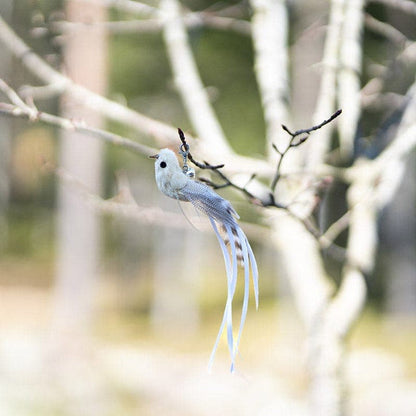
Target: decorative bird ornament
(178, 183)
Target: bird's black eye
(163, 164)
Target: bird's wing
(209, 202)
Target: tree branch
(161, 132)
(152, 24)
(295, 142)
(21, 110)
(270, 32)
(385, 29)
(406, 6)
(128, 6)
(112, 110)
(349, 83)
(188, 82)
(326, 101)
(200, 165)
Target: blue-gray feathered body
(209, 202)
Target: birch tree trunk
(399, 225)
(5, 129)
(78, 230)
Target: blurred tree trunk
(399, 227)
(78, 226)
(6, 7)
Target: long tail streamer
(249, 261)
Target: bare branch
(349, 83)
(204, 19)
(160, 131)
(188, 82)
(17, 101)
(156, 129)
(326, 101)
(270, 32)
(129, 6)
(313, 128)
(270, 202)
(295, 142)
(200, 165)
(150, 25)
(192, 20)
(385, 29)
(20, 109)
(334, 230)
(228, 183)
(370, 191)
(371, 92)
(390, 164)
(119, 206)
(149, 215)
(406, 6)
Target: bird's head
(166, 163)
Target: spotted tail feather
(237, 240)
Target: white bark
(162, 133)
(327, 94)
(373, 185)
(302, 265)
(349, 77)
(188, 81)
(397, 190)
(270, 33)
(327, 318)
(81, 94)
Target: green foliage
(138, 65)
(225, 62)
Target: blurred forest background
(113, 309)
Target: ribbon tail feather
(243, 241)
(227, 318)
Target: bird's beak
(154, 157)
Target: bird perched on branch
(178, 183)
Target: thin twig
(385, 29)
(228, 183)
(20, 109)
(200, 165)
(120, 206)
(313, 128)
(406, 6)
(192, 20)
(102, 105)
(373, 89)
(17, 101)
(336, 228)
(79, 126)
(270, 202)
(129, 6)
(295, 141)
(159, 131)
